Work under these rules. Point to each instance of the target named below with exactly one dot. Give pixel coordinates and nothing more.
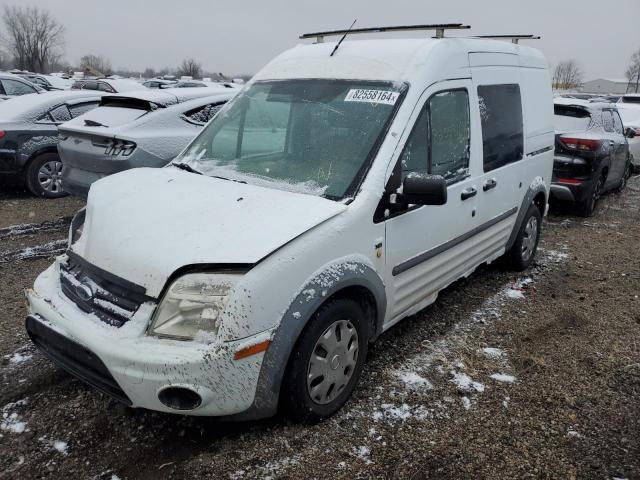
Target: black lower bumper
(74, 358)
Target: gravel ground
(531, 375)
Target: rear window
(570, 119)
(202, 115)
(631, 99)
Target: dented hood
(144, 224)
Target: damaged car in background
(143, 129)
(309, 216)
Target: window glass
(570, 119)
(205, 113)
(60, 114)
(13, 87)
(439, 142)
(607, 121)
(90, 86)
(617, 123)
(501, 121)
(105, 87)
(80, 108)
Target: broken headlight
(193, 303)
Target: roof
(384, 59)
(123, 85)
(20, 107)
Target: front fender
(321, 286)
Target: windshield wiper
(186, 167)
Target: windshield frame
(354, 187)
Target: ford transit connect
(337, 194)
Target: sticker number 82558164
(372, 96)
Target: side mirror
(630, 132)
(423, 189)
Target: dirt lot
(533, 375)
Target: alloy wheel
(50, 176)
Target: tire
(308, 396)
(524, 248)
(625, 177)
(588, 206)
(44, 176)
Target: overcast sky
(236, 36)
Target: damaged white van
(338, 193)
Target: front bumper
(133, 367)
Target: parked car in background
(629, 108)
(202, 84)
(147, 129)
(108, 85)
(591, 152)
(48, 82)
(29, 137)
(12, 86)
(159, 83)
(333, 197)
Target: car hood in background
(144, 224)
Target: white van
(334, 196)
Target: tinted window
(105, 87)
(617, 123)
(90, 86)
(60, 114)
(205, 113)
(80, 108)
(501, 120)
(607, 121)
(14, 87)
(439, 142)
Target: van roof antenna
(343, 37)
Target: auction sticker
(372, 96)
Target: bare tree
(189, 67)
(95, 64)
(33, 37)
(567, 75)
(633, 73)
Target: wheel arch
(36, 153)
(536, 194)
(350, 279)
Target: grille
(112, 299)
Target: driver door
(428, 247)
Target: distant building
(608, 85)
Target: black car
(591, 153)
(29, 137)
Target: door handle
(468, 193)
(489, 184)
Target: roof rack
(439, 28)
(514, 38)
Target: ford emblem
(84, 292)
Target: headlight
(75, 229)
(194, 303)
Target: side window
(80, 108)
(607, 121)
(203, 114)
(617, 123)
(105, 87)
(501, 121)
(439, 143)
(89, 86)
(13, 87)
(60, 114)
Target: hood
(144, 224)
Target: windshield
(308, 136)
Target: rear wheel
(588, 206)
(524, 248)
(625, 177)
(44, 176)
(327, 361)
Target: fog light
(180, 398)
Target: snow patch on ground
(61, 446)
(11, 421)
(503, 377)
(495, 353)
(363, 452)
(465, 383)
(412, 379)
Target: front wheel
(44, 176)
(524, 248)
(327, 361)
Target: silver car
(143, 129)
